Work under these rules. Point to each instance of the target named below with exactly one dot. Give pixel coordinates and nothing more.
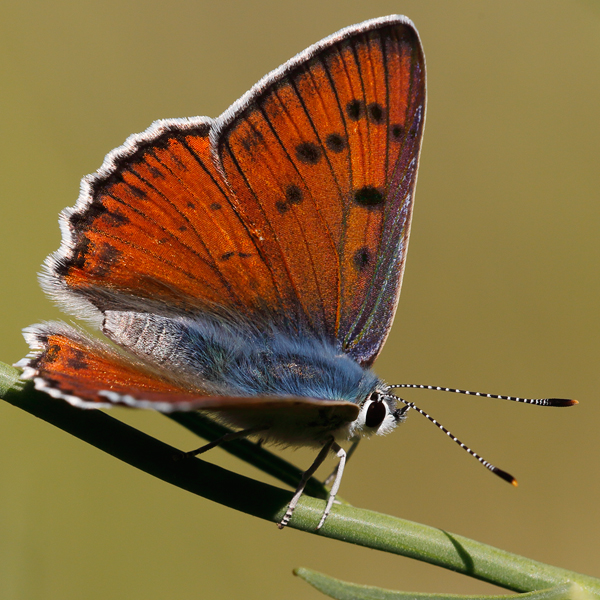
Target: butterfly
(250, 266)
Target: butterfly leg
(341, 454)
(305, 477)
(349, 453)
(232, 435)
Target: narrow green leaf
(342, 590)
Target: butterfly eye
(376, 412)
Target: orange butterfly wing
(322, 159)
(156, 227)
(294, 205)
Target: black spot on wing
(293, 194)
(282, 206)
(361, 258)
(376, 113)
(355, 109)
(308, 153)
(335, 142)
(105, 257)
(369, 197)
(229, 255)
(77, 360)
(397, 131)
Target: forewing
(321, 157)
(155, 227)
(294, 206)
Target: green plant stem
(349, 524)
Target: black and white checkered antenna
(536, 401)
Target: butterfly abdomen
(227, 358)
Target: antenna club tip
(563, 402)
(504, 475)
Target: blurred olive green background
(501, 294)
